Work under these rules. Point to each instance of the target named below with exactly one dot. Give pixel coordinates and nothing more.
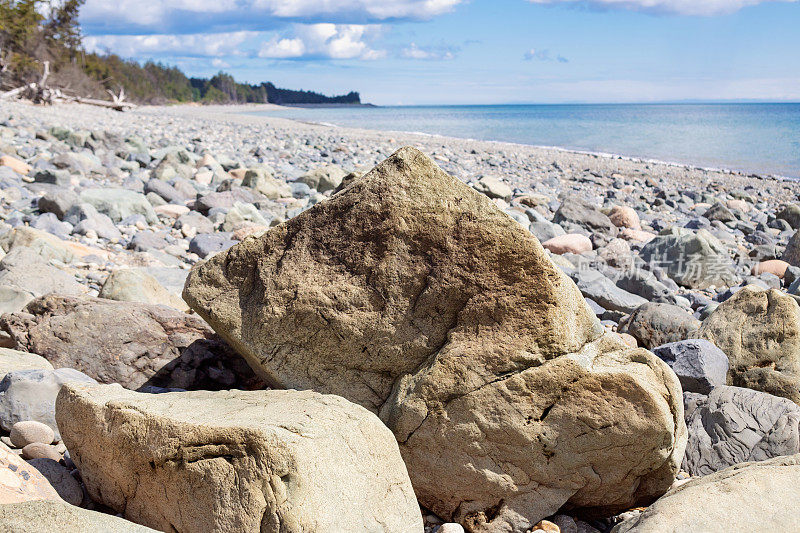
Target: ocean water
(758, 138)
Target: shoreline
(577, 151)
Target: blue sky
(471, 51)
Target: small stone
(565, 523)
(546, 525)
(18, 166)
(37, 450)
(450, 527)
(572, 243)
(625, 217)
(30, 431)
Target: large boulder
(415, 296)
(757, 496)
(130, 343)
(654, 324)
(792, 252)
(31, 395)
(119, 203)
(48, 246)
(238, 461)
(47, 516)
(759, 331)
(734, 425)
(696, 260)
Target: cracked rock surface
(415, 296)
(234, 461)
(734, 425)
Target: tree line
(33, 32)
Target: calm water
(762, 138)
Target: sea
(760, 138)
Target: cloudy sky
(471, 51)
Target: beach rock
(759, 331)
(57, 202)
(193, 219)
(38, 450)
(21, 482)
(325, 178)
(602, 290)
(28, 273)
(773, 266)
(49, 516)
(645, 284)
(696, 260)
(225, 199)
(625, 217)
(261, 181)
(11, 360)
(207, 244)
(654, 324)
(792, 252)
(118, 204)
(416, 297)
(243, 214)
(719, 212)
(493, 188)
(130, 285)
(130, 343)
(27, 395)
(699, 365)
(87, 219)
(238, 461)
(28, 431)
(49, 247)
(575, 213)
(17, 165)
(791, 214)
(743, 497)
(573, 243)
(734, 425)
(60, 479)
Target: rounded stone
(572, 243)
(37, 450)
(625, 217)
(450, 527)
(772, 266)
(30, 431)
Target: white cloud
(209, 45)
(543, 55)
(219, 63)
(680, 7)
(428, 52)
(334, 41)
(156, 12)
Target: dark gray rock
(31, 395)
(791, 214)
(206, 244)
(602, 290)
(698, 363)
(57, 202)
(734, 425)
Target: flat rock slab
(47, 517)
(415, 296)
(238, 461)
(760, 496)
(734, 425)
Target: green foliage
(28, 39)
